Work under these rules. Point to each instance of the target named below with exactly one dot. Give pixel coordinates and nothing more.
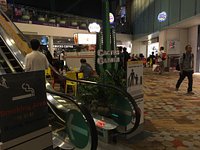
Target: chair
(48, 72)
(80, 75)
(71, 75)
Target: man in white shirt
(35, 60)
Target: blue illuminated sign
(162, 16)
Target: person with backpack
(186, 69)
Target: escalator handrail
(130, 98)
(16, 28)
(85, 112)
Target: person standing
(161, 59)
(61, 59)
(121, 58)
(126, 57)
(186, 69)
(35, 60)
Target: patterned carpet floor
(172, 119)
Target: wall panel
(198, 6)
(156, 12)
(165, 7)
(145, 16)
(151, 16)
(174, 11)
(187, 8)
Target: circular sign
(162, 16)
(94, 27)
(111, 18)
(77, 129)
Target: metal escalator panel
(4, 67)
(74, 124)
(8, 61)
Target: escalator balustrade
(8, 61)
(67, 133)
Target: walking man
(186, 69)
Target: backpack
(178, 64)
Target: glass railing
(78, 124)
(26, 14)
(108, 102)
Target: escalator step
(7, 53)
(12, 59)
(2, 45)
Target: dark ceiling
(86, 8)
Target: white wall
(180, 35)
(125, 40)
(162, 38)
(48, 30)
(139, 47)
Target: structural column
(51, 44)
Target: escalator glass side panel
(110, 103)
(80, 126)
(9, 46)
(9, 58)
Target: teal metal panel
(146, 16)
(157, 11)
(174, 11)
(151, 16)
(141, 26)
(187, 8)
(198, 6)
(137, 21)
(165, 8)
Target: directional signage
(23, 106)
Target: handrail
(85, 112)
(125, 93)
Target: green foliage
(97, 98)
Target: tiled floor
(172, 119)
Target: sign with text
(84, 38)
(23, 106)
(135, 84)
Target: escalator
(8, 62)
(73, 126)
(120, 110)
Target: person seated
(86, 69)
